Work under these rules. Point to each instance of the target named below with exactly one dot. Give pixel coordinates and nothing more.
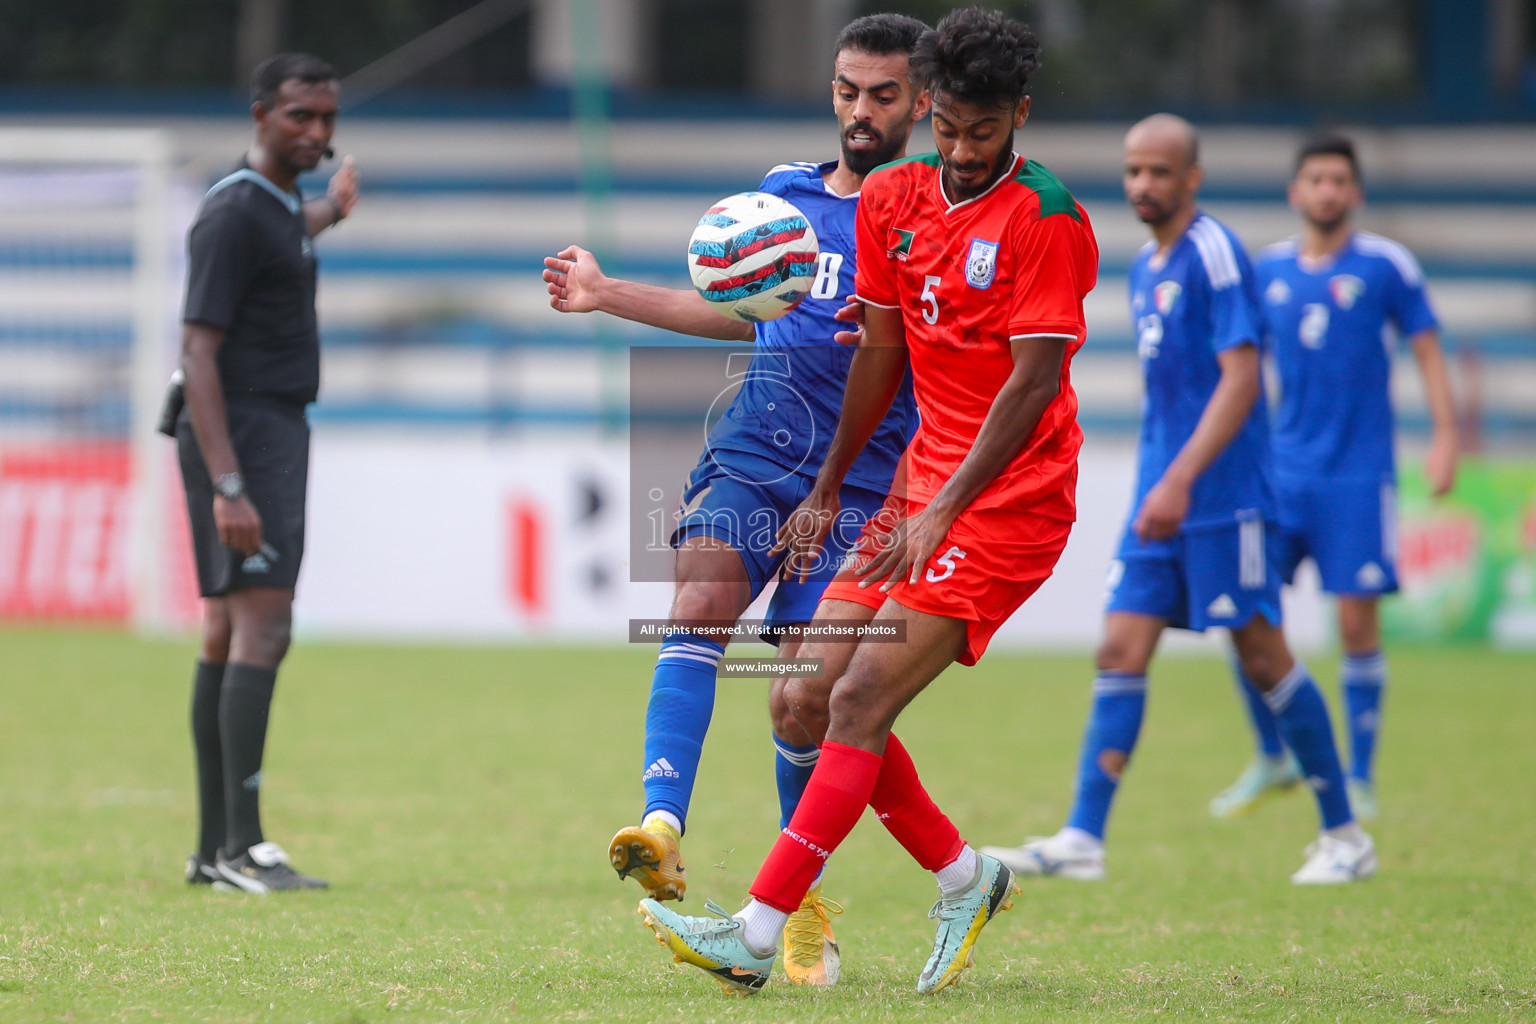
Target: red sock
(909, 814)
(833, 800)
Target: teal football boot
(962, 917)
(712, 944)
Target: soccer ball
(753, 256)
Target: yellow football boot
(810, 951)
(650, 853)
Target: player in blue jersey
(760, 463)
(1195, 553)
(1330, 295)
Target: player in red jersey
(972, 263)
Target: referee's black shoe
(201, 871)
(263, 869)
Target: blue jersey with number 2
(1329, 324)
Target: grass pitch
(460, 801)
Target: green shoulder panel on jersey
(1054, 197)
(931, 159)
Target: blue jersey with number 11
(792, 393)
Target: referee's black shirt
(251, 274)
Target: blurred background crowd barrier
(472, 452)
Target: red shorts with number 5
(988, 564)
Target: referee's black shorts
(271, 440)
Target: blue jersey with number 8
(792, 392)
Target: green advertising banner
(1467, 562)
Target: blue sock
(682, 701)
(1308, 731)
(792, 767)
(1364, 677)
(1119, 700)
(1265, 728)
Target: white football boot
(1070, 853)
(1335, 861)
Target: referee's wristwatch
(230, 486)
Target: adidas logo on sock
(661, 768)
(1222, 608)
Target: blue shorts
(1206, 576)
(1348, 527)
(742, 500)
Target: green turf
(460, 801)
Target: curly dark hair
(977, 56)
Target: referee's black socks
(243, 705)
(206, 684)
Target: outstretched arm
(577, 284)
(1440, 462)
(336, 205)
(1166, 504)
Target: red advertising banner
(65, 512)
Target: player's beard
(1155, 213)
(963, 192)
(1331, 225)
(885, 149)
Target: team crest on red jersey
(981, 264)
(1165, 295)
(900, 243)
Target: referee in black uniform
(251, 364)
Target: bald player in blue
(1197, 548)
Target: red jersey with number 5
(970, 278)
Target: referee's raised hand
(342, 190)
(239, 523)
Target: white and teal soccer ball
(753, 256)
